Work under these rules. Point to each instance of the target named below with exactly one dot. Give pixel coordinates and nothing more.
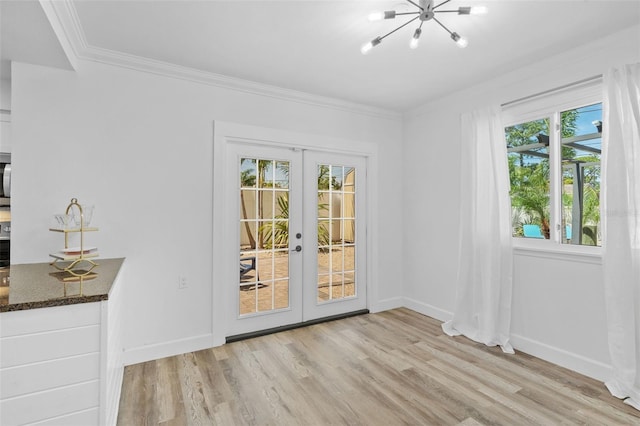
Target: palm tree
(277, 232)
(247, 179)
(254, 175)
(529, 174)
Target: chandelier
(426, 12)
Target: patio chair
(247, 264)
(532, 231)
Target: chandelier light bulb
(376, 16)
(460, 41)
(415, 39)
(474, 10)
(379, 16)
(368, 46)
(479, 10)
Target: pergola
(577, 166)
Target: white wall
(558, 307)
(139, 147)
(5, 94)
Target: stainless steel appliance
(5, 179)
(5, 209)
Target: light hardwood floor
(389, 368)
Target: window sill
(549, 250)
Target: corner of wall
(428, 310)
(166, 349)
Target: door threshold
(252, 334)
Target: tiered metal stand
(80, 265)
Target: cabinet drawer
(39, 347)
(53, 403)
(21, 380)
(48, 319)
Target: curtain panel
(621, 227)
(484, 285)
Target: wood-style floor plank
(390, 368)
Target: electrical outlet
(182, 282)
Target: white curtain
(621, 227)
(483, 297)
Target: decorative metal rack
(76, 260)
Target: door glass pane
(263, 284)
(336, 223)
(281, 294)
(248, 173)
(528, 155)
(281, 205)
(581, 150)
(349, 205)
(337, 264)
(323, 204)
(281, 174)
(336, 177)
(265, 173)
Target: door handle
(298, 249)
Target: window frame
(550, 105)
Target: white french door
(334, 221)
(300, 241)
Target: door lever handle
(298, 249)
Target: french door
(300, 240)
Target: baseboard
(387, 304)
(171, 348)
(426, 309)
(589, 367)
(578, 363)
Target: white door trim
(225, 133)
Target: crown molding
(63, 21)
(64, 18)
(166, 69)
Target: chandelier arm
(407, 13)
(416, 4)
(446, 11)
(401, 26)
(443, 3)
(445, 28)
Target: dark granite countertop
(31, 286)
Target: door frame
(223, 270)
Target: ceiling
(314, 46)
(26, 36)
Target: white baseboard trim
(426, 309)
(387, 304)
(578, 363)
(589, 367)
(171, 348)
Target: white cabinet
(63, 364)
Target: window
(554, 171)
